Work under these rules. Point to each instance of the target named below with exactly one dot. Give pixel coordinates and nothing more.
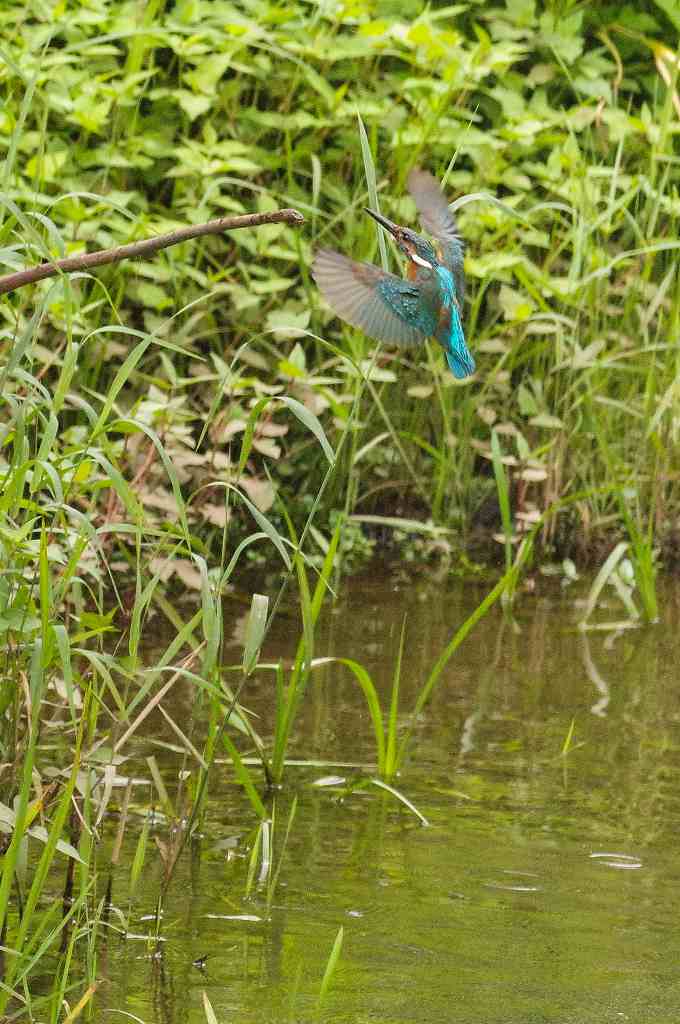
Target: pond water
(546, 887)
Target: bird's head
(414, 246)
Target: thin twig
(146, 247)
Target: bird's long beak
(383, 221)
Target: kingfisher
(427, 303)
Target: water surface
(545, 887)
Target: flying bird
(427, 303)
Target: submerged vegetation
(166, 424)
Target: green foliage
(161, 421)
(128, 121)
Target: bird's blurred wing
(437, 219)
(382, 305)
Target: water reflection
(511, 905)
(602, 687)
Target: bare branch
(145, 248)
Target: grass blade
(371, 185)
(331, 966)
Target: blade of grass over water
(401, 798)
(568, 739)
(244, 776)
(372, 701)
(290, 694)
(391, 745)
(331, 966)
(210, 1015)
(506, 581)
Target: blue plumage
(450, 333)
(407, 304)
(406, 312)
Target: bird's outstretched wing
(382, 305)
(438, 220)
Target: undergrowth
(557, 126)
(165, 422)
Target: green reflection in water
(546, 888)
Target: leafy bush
(123, 120)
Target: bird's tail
(460, 360)
(451, 337)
